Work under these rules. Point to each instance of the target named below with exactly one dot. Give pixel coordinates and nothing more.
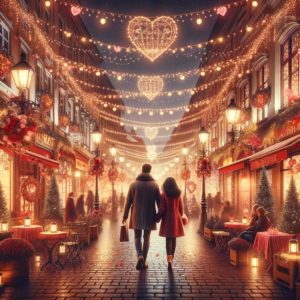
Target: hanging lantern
(4, 226)
(203, 135)
(244, 220)
(53, 227)
(62, 249)
(27, 222)
(254, 261)
(38, 259)
(293, 246)
(233, 112)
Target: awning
(238, 165)
(274, 154)
(34, 157)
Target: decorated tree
(52, 209)
(290, 218)
(3, 205)
(264, 196)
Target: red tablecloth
(235, 225)
(47, 235)
(30, 233)
(271, 243)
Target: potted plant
(209, 227)
(14, 260)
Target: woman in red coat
(171, 212)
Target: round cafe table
(235, 225)
(50, 240)
(28, 233)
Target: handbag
(124, 235)
(184, 219)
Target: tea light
(244, 220)
(254, 261)
(62, 249)
(27, 222)
(53, 227)
(293, 246)
(37, 259)
(231, 220)
(4, 226)
(1, 284)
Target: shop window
(64, 181)
(290, 67)
(6, 175)
(263, 81)
(48, 82)
(244, 96)
(4, 37)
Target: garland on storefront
(96, 166)
(5, 64)
(204, 167)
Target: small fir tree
(52, 209)
(264, 196)
(290, 218)
(4, 214)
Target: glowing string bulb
(139, 112)
(218, 68)
(129, 111)
(151, 113)
(83, 39)
(182, 77)
(114, 109)
(202, 73)
(102, 21)
(249, 28)
(98, 73)
(169, 94)
(199, 21)
(161, 113)
(119, 77)
(254, 3)
(47, 3)
(221, 39)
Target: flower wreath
(186, 174)
(30, 189)
(97, 166)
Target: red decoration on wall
(30, 190)
(204, 167)
(294, 166)
(113, 174)
(222, 11)
(261, 98)
(292, 98)
(254, 141)
(97, 166)
(5, 64)
(186, 174)
(17, 129)
(46, 102)
(191, 186)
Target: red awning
(37, 158)
(269, 160)
(233, 167)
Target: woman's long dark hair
(171, 188)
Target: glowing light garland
(150, 86)
(151, 132)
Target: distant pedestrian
(122, 202)
(217, 203)
(80, 206)
(171, 212)
(142, 196)
(89, 201)
(70, 213)
(210, 204)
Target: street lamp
(22, 74)
(233, 113)
(203, 139)
(185, 151)
(96, 139)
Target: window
(48, 82)
(290, 67)
(244, 96)
(4, 37)
(263, 79)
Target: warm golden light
(293, 246)
(203, 135)
(62, 249)
(185, 150)
(151, 132)
(233, 112)
(176, 159)
(254, 3)
(102, 21)
(182, 77)
(254, 261)
(37, 259)
(77, 174)
(119, 77)
(113, 150)
(96, 137)
(53, 227)
(121, 159)
(150, 86)
(199, 21)
(4, 226)
(47, 3)
(152, 38)
(27, 222)
(244, 220)
(22, 74)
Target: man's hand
(124, 221)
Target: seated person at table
(262, 224)
(254, 216)
(225, 214)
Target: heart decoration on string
(191, 186)
(117, 49)
(222, 11)
(152, 38)
(75, 10)
(150, 86)
(152, 155)
(151, 132)
(151, 148)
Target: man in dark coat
(142, 196)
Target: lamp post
(113, 152)
(185, 151)
(96, 139)
(233, 113)
(22, 74)
(203, 139)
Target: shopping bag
(124, 235)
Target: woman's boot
(170, 261)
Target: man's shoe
(140, 263)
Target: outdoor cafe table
(28, 233)
(50, 240)
(238, 226)
(270, 243)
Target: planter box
(239, 257)
(14, 272)
(208, 234)
(285, 269)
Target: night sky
(115, 32)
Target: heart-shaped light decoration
(151, 148)
(151, 132)
(191, 186)
(117, 49)
(222, 11)
(150, 86)
(152, 38)
(75, 10)
(152, 155)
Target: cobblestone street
(199, 273)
